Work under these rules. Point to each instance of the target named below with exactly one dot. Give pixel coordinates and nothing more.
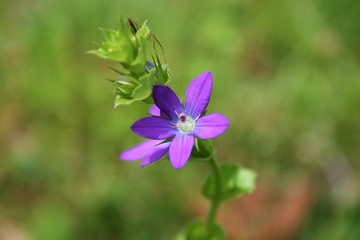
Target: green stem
(211, 218)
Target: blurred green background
(286, 73)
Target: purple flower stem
(215, 201)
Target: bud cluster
(134, 49)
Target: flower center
(185, 124)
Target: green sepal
(141, 36)
(117, 45)
(162, 72)
(201, 231)
(129, 89)
(143, 32)
(145, 87)
(149, 100)
(138, 64)
(203, 149)
(121, 101)
(235, 182)
(125, 47)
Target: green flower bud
(129, 89)
(130, 46)
(124, 46)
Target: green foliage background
(287, 75)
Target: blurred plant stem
(215, 201)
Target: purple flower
(180, 123)
(150, 150)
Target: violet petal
(180, 149)
(153, 128)
(154, 110)
(140, 151)
(211, 126)
(167, 101)
(159, 151)
(198, 94)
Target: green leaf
(235, 182)
(201, 231)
